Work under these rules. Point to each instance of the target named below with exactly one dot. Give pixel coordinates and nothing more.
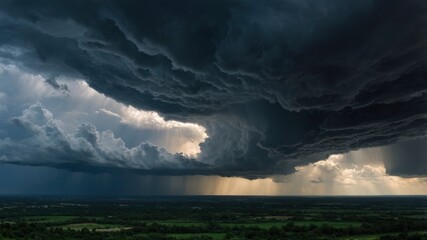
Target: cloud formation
(276, 84)
(82, 104)
(60, 87)
(407, 159)
(349, 177)
(47, 144)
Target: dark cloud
(57, 86)
(407, 158)
(276, 83)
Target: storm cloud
(276, 84)
(413, 152)
(48, 145)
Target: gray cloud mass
(276, 84)
(49, 145)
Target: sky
(213, 97)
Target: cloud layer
(276, 84)
(47, 144)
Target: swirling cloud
(276, 84)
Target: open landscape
(213, 120)
(214, 218)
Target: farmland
(215, 218)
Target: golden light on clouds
(333, 176)
(191, 134)
(175, 136)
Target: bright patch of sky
(73, 102)
(341, 174)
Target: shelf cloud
(276, 85)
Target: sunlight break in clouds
(336, 175)
(179, 137)
(73, 102)
(195, 134)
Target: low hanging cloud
(332, 171)
(342, 174)
(276, 84)
(47, 144)
(60, 87)
(413, 152)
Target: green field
(263, 225)
(214, 218)
(267, 225)
(367, 237)
(96, 226)
(375, 236)
(49, 219)
(180, 223)
(214, 236)
(338, 224)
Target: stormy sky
(213, 97)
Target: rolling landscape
(213, 119)
(214, 218)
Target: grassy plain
(215, 218)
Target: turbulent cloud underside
(276, 84)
